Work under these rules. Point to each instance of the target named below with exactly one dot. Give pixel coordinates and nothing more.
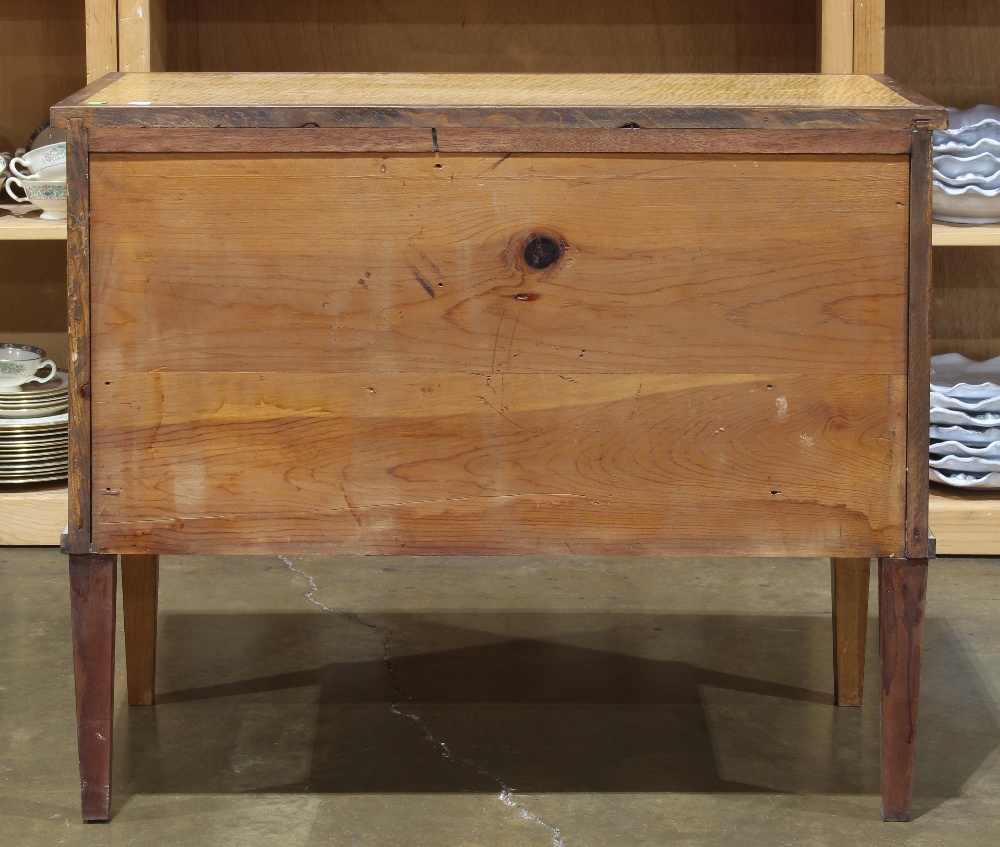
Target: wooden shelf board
(29, 227)
(965, 523)
(959, 235)
(34, 516)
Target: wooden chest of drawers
(441, 314)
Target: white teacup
(53, 173)
(35, 160)
(50, 197)
(20, 363)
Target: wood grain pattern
(902, 597)
(919, 364)
(33, 293)
(102, 38)
(869, 36)
(30, 228)
(512, 463)
(141, 35)
(548, 36)
(850, 581)
(945, 50)
(836, 29)
(78, 293)
(414, 263)
(93, 596)
(140, 582)
(965, 315)
(445, 140)
(35, 517)
(958, 235)
(469, 90)
(964, 525)
(41, 62)
(497, 101)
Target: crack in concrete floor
(507, 792)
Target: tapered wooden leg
(93, 585)
(850, 580)
(902, 592)
(140, 579)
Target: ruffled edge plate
(990, 481)
(956, 448)
(944, 401)
(974, 464)
(969, 437)
(957, 376)
(960, 418)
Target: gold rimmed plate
(6, 401)
(51, 435)
(40, 403)
(19, 472)
(61, 419)
(48, 439)
(35, 412)
(11, 463)
(31, 390)
(33, 453)
(55, 477)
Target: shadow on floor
(564, 702)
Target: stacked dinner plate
(967, 167)
(965, 422)
(34, 440)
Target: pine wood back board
(633, 315)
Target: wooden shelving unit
(945, 50)
(29, 227)
(957, 235)
(32, 516)
(965, 524)
(46, 60)
(936, 48)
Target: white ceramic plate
(35, 390)
(965, 464)
(955, 448)
(944, 401)
(960, 418)
(971, 133)
(45, 411)
(47, 420)
(990, 481)
(966, 205)
(983, 183)
(969, 437)
(955, 375)
(956, 148)
(953, 167)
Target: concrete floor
(445, 703)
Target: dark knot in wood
(541, 251)
(536, 251)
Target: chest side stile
(918, 536)
(79, 525)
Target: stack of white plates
(34, 439)
(967, 167)
(965, 422)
